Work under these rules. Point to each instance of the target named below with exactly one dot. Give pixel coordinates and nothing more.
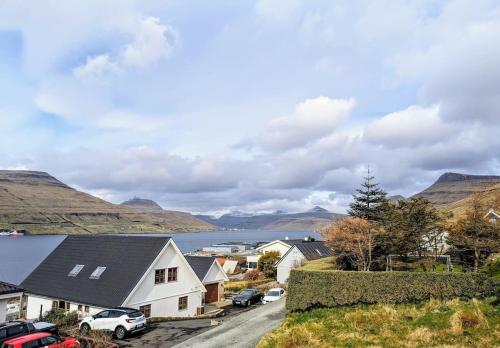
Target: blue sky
(249, 105)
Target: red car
(41, 339)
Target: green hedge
(309, 289)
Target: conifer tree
(369, 201)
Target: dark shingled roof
(200, 265)
(126, 259)
(6, 288)
(292, 242)
(314, 250)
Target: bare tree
(355, 236)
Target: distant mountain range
(41, 204)
(313, 219)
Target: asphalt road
(243, 330)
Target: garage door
(212, 294)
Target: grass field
(453, 323)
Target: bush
(241, 285)
(309, 289)
(266, 263)
(253, 275)
(60, 317)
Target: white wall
(3, 309)
(34, 303)
(229, 266)
(275, 246)
(293, 259)
(163, 298)
(215, 274)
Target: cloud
(414, 126)
(152, 42)
(95, 67)
(311, 120)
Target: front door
(212, 294)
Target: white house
(91, 273)
(297, 255)
(211, 274)
(8, 292)
(492, 216)
(279, 245)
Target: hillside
(453, 187)
(172, 217)
(39, 203)
(489, 198)
(311, 220)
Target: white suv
(122, 321)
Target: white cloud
(411, 127)
(312, 120)
(152, 42)
(276, 9)
(95, 67)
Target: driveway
(243, 330)
(171, 333)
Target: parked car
(41, 339)
(17, 328)
(122, 321)
(273, 295)
(247, 297)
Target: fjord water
(20, 255)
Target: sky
(213, 106)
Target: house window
(146, 310)
(97, 273)
(64, 305)
(74, 272)
(87, 309)
(252, 265)
(183, 303)
(159, 276)
(80, 308)
(172, 274)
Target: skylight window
(97, 273)
(74, 272)
(319, 252)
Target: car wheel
(85, 329)
(120, 332)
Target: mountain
(489, 198)
(311, 220)
(453, 187)
(41, 204)
(170, 216)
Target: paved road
(243, 330)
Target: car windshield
(273, 293)
(246, 292)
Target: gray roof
(292, 242)
(200, 265)
(314, 250)
(6, 288)
(126, 259)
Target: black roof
(200, 265)
(6, 288)
(292, 242)
(126, 259)
(314, 250)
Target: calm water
(20, 255)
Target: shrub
(266, 263)
(60, 317)
(253, 275)
(308, 289)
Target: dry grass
(431, 324)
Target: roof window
(319, 252)
(97, 273)
(74, 272)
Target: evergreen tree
(369, 201)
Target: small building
(297, 255)
(279, 245)
(211, 274)
(492, 216)
(91, 273)
(229, 266)
(220, 249)
(8, 292)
